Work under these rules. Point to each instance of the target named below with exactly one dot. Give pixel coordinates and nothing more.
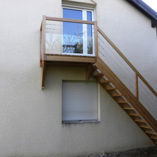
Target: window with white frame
(79, 101)
(77, 37)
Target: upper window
(78, 37)
(79, 101)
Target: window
(77, 37)
(79, 101)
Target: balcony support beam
(89, 72)
(43, 75)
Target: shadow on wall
(145, 152)
(142, 152)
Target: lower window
(79, 101)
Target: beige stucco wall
(131, 31)
(30, 119)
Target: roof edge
(143, 7)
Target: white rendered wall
(30, 119)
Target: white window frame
(84, 121)
(84, 16)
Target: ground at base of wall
(143, 152)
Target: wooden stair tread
(140, 120)
(110, 88)
(116, 95)
(134, 114)
(153, 137)
(151, 132)
(128, 108)
(122, 102)
(144, 126)
(105, 82)
(99, 75)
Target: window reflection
(72, 32)
(77, 37)
(89, 33)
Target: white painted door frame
(85, 37)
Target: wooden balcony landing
(51, 58)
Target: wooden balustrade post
(43, 35)
(43, 51)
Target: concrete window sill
(80, 121)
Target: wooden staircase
(121, 94)
(126, 100)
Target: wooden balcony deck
(69, 58)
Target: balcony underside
(66, 60)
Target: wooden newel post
(136, 86)
(43, 51)
(96, 38)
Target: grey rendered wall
(30, 119)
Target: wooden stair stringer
(133, 116)
(126, 93)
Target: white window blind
(79, 101)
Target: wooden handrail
(69, 20)
(127, 61)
